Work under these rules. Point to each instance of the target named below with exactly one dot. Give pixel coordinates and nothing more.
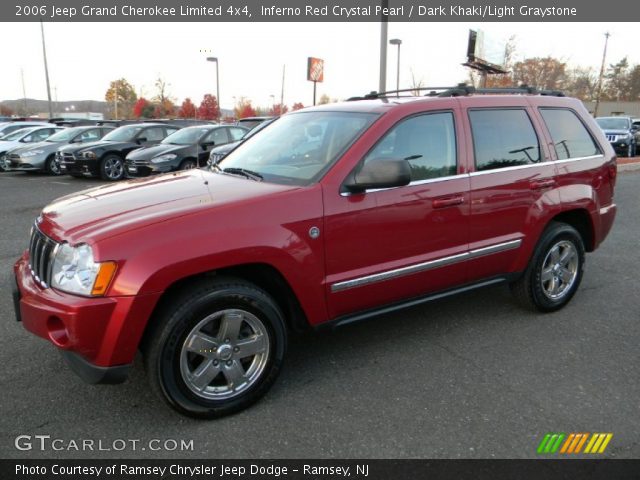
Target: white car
(10, 127)
(23, 136)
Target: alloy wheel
(559, 270)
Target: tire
(3, 167)
(196, 366)
(51, 166)
(188, 164)
(112, 167)
(555, 270)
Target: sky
(84, 57)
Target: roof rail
(462, 90)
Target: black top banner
(319, 10)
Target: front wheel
(215, 348)
(555, 270)
(112, 168)
(188, 164)
(52, 166)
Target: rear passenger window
(570, 137)
(427, 142)
(503, 138)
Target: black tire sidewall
(184, 163)
(181, 323)
(552, 236)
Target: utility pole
(24, 94)
(46, 69)
(282, 91)
(599, 90)
(116, 100)
(383, 47)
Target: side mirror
(27, 139)
(141, 140)
(379, 173)
(206, 145)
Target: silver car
(42, 156)
(24, 136)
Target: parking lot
(473, 376)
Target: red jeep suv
(331, 215)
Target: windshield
(64, 135)
(122, 134)
(186, 136)
(613, 123)
(259, 128)
(300, 147)
(18, 134)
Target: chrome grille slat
(41, 249)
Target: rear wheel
(555, 270)
(52, 166)
(216, 347)
(112, 167)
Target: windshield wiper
(251, 175)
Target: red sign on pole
(315, 69)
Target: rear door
(389, 245)
(513, 187)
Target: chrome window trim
(412, 184)
(424, 266)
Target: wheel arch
(580, 219)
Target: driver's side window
(427, 142)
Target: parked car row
(131, 150)
(622, 132)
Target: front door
(388, 245)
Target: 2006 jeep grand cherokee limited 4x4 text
(331, 215)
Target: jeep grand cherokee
(332, 215)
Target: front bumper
(25, 164)
(98, 336)
(139, 169)
(80, 167)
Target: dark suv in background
(105, 158)
(187, 148)
(622, 133)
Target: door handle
(542, 184)
(448, 201)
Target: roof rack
(461, 90)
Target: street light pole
(46, 69)
(215, 59)
(398, 42)
(383, 46)
(599, 91)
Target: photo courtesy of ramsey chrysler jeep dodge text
(331, 215)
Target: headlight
(32, 153)
(167, 157)
(74, 271)
(89, 154)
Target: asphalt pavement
(473, 376)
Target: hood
(147, 153)
(226, 148)
(74, 147)
(6, 145)
(103, 212)
(45, 146)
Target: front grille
(68, 157)
(612, 138)
(41, 250)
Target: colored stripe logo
(574, 443)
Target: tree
(143, 108)
(278, 109)
(617, 81)
(324, 99)
(297, 106)
(582, 83)
(243, 108)
(634, 83)
(187, 109)
(122, 91)
(545, 73)
(6, 111)
(416, 84)
(162, 94)
(209, 109)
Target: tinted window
(427, 142)
(171, 130)
(503, 138)
(570, 137)
(90, 135)
(40, 135)
(236, 133)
